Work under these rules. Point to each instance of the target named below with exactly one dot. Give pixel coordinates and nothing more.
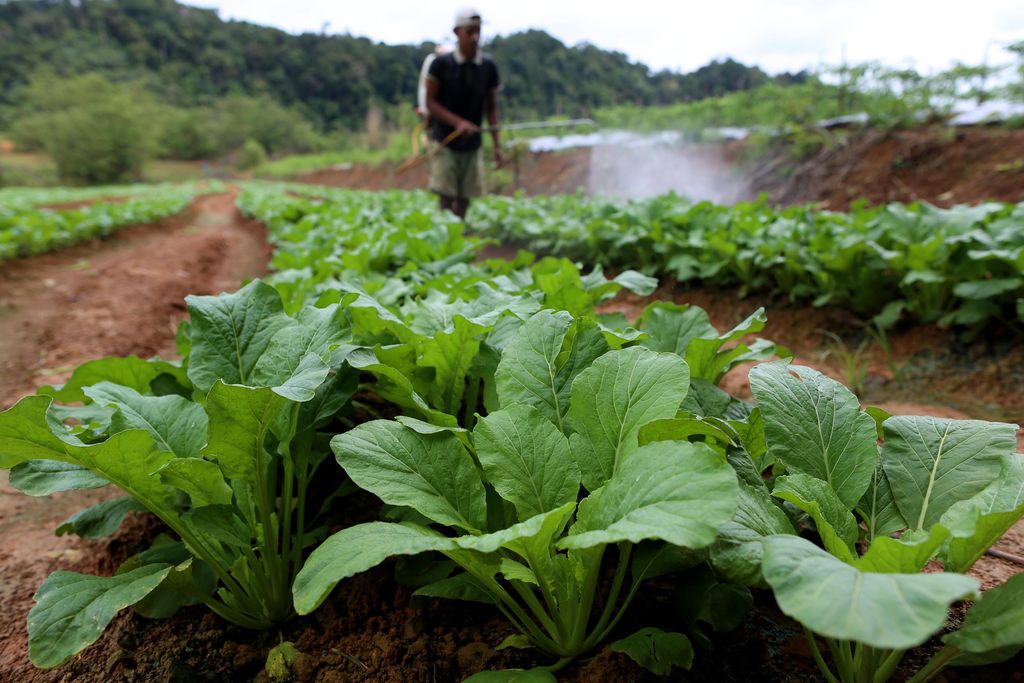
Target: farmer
(461, 86)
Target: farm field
(381, 332)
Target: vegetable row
(960, 266)
(546, 460)
(26, 230)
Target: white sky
(777, 35)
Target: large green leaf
(527, 460)
(978, 522)
(835, 523)
(836, 600)
(905, 555)
(318, 332)
(450, 354)
(613, 398)
(932, 463)
(671, 327)
(669, 490)
(128, 459)
(995, 624)
(538, 366)
(230, 332)
(395, 385)
(240, 419)
(363, 546)
(354, 550)
(72, 610)
(177, 425)
(131, 371)
(815, 426)
(431, 473)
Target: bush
(96, 131)
(189, 134)
(253, 155)
(275, 127)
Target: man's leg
(459, 206)
(470, 181)
(443, 178)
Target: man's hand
(465, 127)
(499, 157)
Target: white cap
(467, 16)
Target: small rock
(473, 657)
(413, 628)
(304, 667)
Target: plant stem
(538, 610)
(888, 666)
(557, 666)
(822, 665)
(935, 664)
(586, 602)
(603, 626)
(841, 655)
(471, 400)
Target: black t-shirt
(463, 91)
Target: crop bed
(28, 228)
(582, 477)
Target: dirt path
(120, 296)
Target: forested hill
(188, 56)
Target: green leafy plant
(943, 489)
(956, 266)
(222, 450)
(26, 230)
(504, 501)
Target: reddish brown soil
(532, 173)
(941, 165)
(120, 296)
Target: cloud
(779, 35)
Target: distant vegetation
(181, 84)
(188, 57)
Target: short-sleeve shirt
(464, 85)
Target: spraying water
(636, 166)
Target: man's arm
(445, 115)
(493, 121)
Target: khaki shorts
(456, 174)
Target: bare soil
(533, 173)
(122, 295)
(941, 165)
